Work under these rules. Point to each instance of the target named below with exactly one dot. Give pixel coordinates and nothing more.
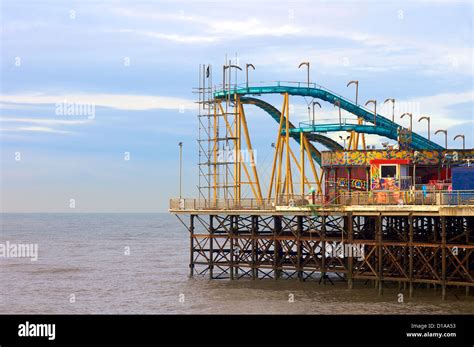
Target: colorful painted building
(388, 170)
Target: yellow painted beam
(249, 147)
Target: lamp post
(224, 67)
(428, 120)
(315, 103)
(357, 88)
(463, 140)
(392, 100)
(247, 73)
(180, 168)
(235, 66)
(375, 109)
(411, 119)
(445, 132)
(230, 66)
(338, 103)
(344, 139)
(307, 65)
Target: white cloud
(36, 129)
(180, 38)
(43, 121)
(116, 101)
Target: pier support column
(276, 246)
(231, 247)
(411, 250)
(443, 257)
(323, 249)
(380, 253)
(211, 247)
(469, 227)
(350, 255)
(299, 247)
(254, 232)
(191, 245)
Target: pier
(401, 215)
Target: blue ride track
(384, 127)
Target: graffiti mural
(357, 158)
(357, 184)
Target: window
(388, 171)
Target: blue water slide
(383, 127)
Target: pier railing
(242, 204)
(357, 198)
(407, 197)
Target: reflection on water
(138, 263)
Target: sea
(91, 263)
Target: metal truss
(410, 250)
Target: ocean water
(138, 263)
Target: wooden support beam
(443, 257)
(254, 236)
(276, 246)
(380, 253)
(323, 249)
(191, 248)
(412, 252)
(231, 242)
(350, 240)
(299, 267)
(211, 247)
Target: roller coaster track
(384, 127)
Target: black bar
(261, 329)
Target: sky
(126, 69)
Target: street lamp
(234, 66)
(247, 72)
(411, 119)
(445, 132)
(307, 65)
(357, 88)
(463, 140)
(224, 67)
(375, 109)
(344, 139)
(315, 103)
(392, 100)
(230, 66)
(428, 120)
(338, 103)
(180, 168)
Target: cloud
(43, 121)
(361, 50)
(180, 38)
(36, 129)
(116, 101)
(439, 108)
